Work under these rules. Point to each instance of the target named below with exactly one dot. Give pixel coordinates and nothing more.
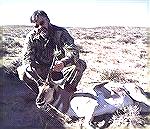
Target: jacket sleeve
(71, 50)
(29, 50)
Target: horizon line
(79, 26)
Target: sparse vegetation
(119, 54)
(128, 117)
(112, 75)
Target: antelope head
(46, 94)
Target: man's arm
(71, 50)
(29, 50)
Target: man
(40, 47)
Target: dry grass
(112, 75)
(128, 117)
(119, 54)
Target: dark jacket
(39, 50)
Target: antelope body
(108, 98)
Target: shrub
(112, 75)
(128, 117)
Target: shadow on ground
(17, 106)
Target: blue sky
(78, 13)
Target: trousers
(70, 76)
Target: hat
(36, 14)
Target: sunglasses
(41, 23)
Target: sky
(78, 13)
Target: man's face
(41, 22)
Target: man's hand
(59, 65)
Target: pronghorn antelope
(108, 98)
(51, 93)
